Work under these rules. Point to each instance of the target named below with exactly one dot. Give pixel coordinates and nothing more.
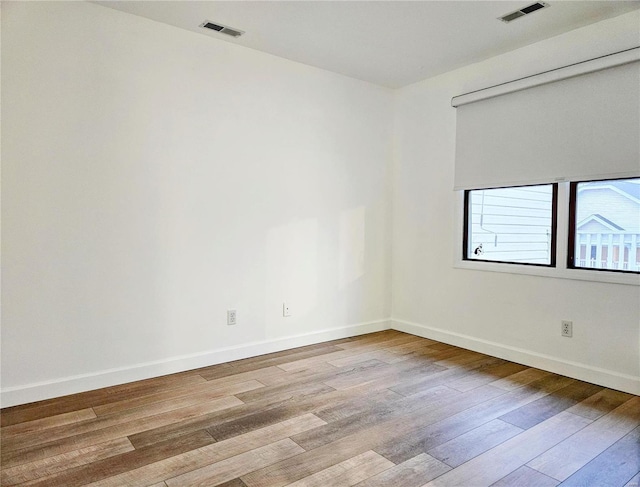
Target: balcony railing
(611, 250)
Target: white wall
(153, 178)
(513, 316)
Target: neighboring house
(608, 225)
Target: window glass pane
(511, 225)
(607, 225)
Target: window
(511, 225)
(604, 219)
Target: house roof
(625, 187)
(601, 219)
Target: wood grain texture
(383, 409)
(548, 406)
(412, 473)
(634, 482)
(347, 473)
(231, 468)
(498, 462)
(617, 465)
(40, 425)
(469, 445)
(520, 379)
(75, 402)
(47, 467)
(526, 477)
(201, 457)
(570, 455)
(600, 403)
(83, 440)
(118, 464)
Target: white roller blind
(579, 128)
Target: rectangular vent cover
(523, 11)
(223, 29)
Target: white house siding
(617, 208)
(512, 224)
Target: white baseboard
(12, 396)
(587, 373)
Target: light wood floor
(385, 409)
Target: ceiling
(389, 43)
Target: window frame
(559, 272)
(572, 229)
(554, 226)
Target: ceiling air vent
(523, 11)
(223, 29)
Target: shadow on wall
(295, 266)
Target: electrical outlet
(286, 310)
(231, 317)
(567, 328)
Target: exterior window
(604, 219)
(511, 225)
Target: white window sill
(558, 273)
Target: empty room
(320, 243)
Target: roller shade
(574, 127)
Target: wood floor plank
(346, 406)
(385, 412)
(546, 407)
(458, 422)
(233, 483)
(211, 396)
(101, 469)
(570, 455)
(413, 473)
(231, 468)
(291, 352)
(451, 372)
(309, 375)
(383, 409)
(526, 477)
(500, 461)
(334, 405)
(75, 402)
(40, 425)
(347, 473)
(295, 404)
(351, 380)
(379, 355)
(47, 467)
(346, 447)
(469, 445)
(286, 408)
(617, 465)
(352, 349)
(485, 376)
(248, 365)
(155, 413)
(216, 452)
(286, 392)
(459, 356)
(212, 389)
(600, 403)
(382, 341)
(232, 375)
(52, 448)
(388, 354)
(520, 379)
(634, 482)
